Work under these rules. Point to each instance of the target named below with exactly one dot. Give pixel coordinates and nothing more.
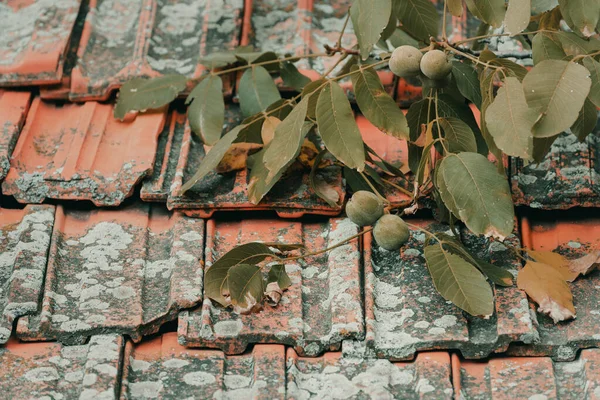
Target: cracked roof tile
(13, 110)
(528, 378)
(51, 370)
(428, 377)
(181, 152)
(573, 238)
(80, 152)
(404, 313)
(24, 243)
(569, 175)
(123, 271)
(321, 308)
(34, 40)
(162, 368)
(124, 40)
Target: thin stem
(360, 69)
(437, 118)
(444, 38)
(397, 187)
(339, 41)
(579, 57)
(373, 188)
(448, 47)
(278, 60)
(335, 246)
(425, 231)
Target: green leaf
(369, 19)
(356, 181)
(246, 286)
(488, 11)
(541, 147)
(556, 90)
(586, 121)
(287, 140)
(216, 276)
(146, 94)
(313, 90)
(278, 275)
(219, 59)
(320, 186)
(474, 192)
(486, 79)
(540, 6)
(581, 15)
(213, 157)
(573, 45)
(546, 46)
(378, 106)
(517, 16)
(207, 110)
(496, 274)
(419, 18)
(458, 134)
(292, 77)
(467, 82)
(257, 91)
(455, 7)
(459, 281)
(337, 127)
(511, 68)
(448, 107)
(419, 113)
(401, 38)
(594, 67)
(509, 120)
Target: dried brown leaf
(236, 157)
(586, 264)
(556, 261)
(268, 129)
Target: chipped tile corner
(13, 111)
(51, 370)
(24, 243)
(80, 152)
(128, 272)
(405, 314)
(321, 308)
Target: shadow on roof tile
(34, 40)
(80, 152)
(528, 378)
(124, 271)
(24, 243)
(404, 313)
(569, 176)
(51, 370)
(321, 308)
(162, 368)
(13, 111)
(181, 152)
(149, 38)
(573, 238)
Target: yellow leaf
(547, 287)
(236, 157)
(556, 261)
(268, 129)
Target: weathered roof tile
(573, 238)
(181, 152)
(569, 175)
(24, 243)
(528, 378)
(405, 313)
(321, 308)
(51, 370)
(34, 40)
(123, 271)
(428, 377)
(80, 152)
(150, 38)
(13, 110)
(162, 368)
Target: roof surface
(102, 297)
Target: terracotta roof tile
(528, 378)
(405, 314)
(181, 152)
(321, 308)
(161, 367)
(569, 176)
(573, 238)
(24, 243)
(13, 110)
(428, 377)
(34, 40)
(51, 370)
(150, 38)
(123, 271)
(80, 152)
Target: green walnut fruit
(391, 232)
(364, 208)
(435, 65)
(405, 61)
